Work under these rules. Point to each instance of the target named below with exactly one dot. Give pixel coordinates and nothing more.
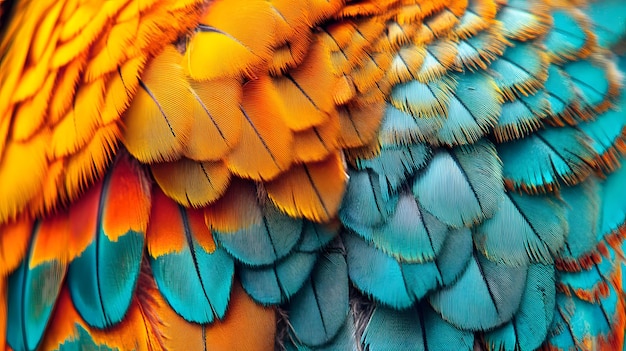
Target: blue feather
(319, 310)
(461, 187)
(266, 242)
(529, 327)
(609, 18)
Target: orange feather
(127, 200)
(316, 143)
(313, 190)
(243, 318)
(237, 209)
(14, 242)
(164, 235)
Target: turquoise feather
(419, 329)
(530, 325)
(548, 158)
(29, 309)
(319, 310)
(582, 218)
(461, 187)
(398, 284)
(317, 235)
(423, 100)
(567, 37)
(561, 95)
(344, 340)
(576, 320)
(591, 81)
(607, 129)
(613, 206)
(477, 51)
(609, 19)
(472, 111)
(521, 70)
(83, 341)
(491, 295)
(266, 242)
(279, 282)
(525, 229)
(395, 164)
(207, 276)
(518, 15)
(522, 116)
(402, 128)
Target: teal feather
(591, 82)
(609, 19)
(279, 282)
(363, 205)
(525, 229)
(582, 203)
(83, 341)
(419, 329)
(344, 340)
(317, 235)
(423, 100)
(32, 293)
(613, 206)
(522, 70)
(576, 320)
(395, 164)
(547, 159)
(607, 129)
(561, 95)
(397, 284)
(588, 284)
(410, 234)
(478, 51)
(518, 17)
(461, 187)
(319, 310)
(433, 68)
(491, 294)
(472, 111)
(529, 327)
(522, 116)
(266, 242)
(402, 128)
(207, 277)
(567, 37)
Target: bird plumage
(312, 175)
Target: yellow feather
(80, 122)
(45, 30)
(159, 119)
(120, 89)
(21, 168)
(192, 183)
(65, 88)
(30, 114)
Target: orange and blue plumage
(312, 175)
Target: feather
(524, 20)
(521, 71)
(101, 293)
(609, 29)
(191, 183)
(398, 284)
(496, 293)
(423, 100)
(217, 120)
(237, 208)
(359, 124)
(277, 283)
(272, 236)
(313, 190)
(14, 244)
(454, 190)
(596, 83)
(415, 328)
(157, 122)
(32, 292)
(190, 260)
(525, 229)
(522, 117)
(546, 159)
(317, 143)
(319, 310)
(571, 36)
(266, 142)
(530, 325)
(478, 51)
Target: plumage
(312, 175)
